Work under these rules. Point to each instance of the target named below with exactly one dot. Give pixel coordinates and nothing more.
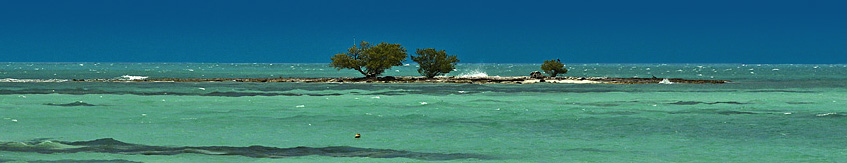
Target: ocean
(768, 113)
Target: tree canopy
(370, 60)
(434, 62)
(553, 67)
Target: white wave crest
(825, 114)
(130, 77)
(475, 73)
(665, 81)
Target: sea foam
(475, 73)
(130, 77)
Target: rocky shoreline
(392, 79)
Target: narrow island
(468, 80)
(372, 60)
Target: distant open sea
(768, 113)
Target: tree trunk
(431, 75)
(363, 73)
(372, 76)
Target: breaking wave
(474, 73)
(131, 77)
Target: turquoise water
(769, 113)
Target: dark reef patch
(600, 104)
(686, 103)
(614, 113)
(392, 93)
(605, 104)
(491, 101)
(783, 91)
(709, 103)
(77, 103)
(712, 111)
(799, 103)
(90, 91)
(734, 112)
(595, 150)
(82, 161)
(727, 102)
(242, 94)
(109, 145)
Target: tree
(434, 62)
(370, 60)
(554, 67)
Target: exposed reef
(78, 103)
(109, 145)
(710, 103)
(392, 79)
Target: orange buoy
(358, 135)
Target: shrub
(554, 67)
(434, 62)
(370, 60)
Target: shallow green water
(793, 114)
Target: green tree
(554, 67)
(370, 60)
(434, 62)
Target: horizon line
(457, 63)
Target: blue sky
(491, 31)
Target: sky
(477, 31)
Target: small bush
(553, 67)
